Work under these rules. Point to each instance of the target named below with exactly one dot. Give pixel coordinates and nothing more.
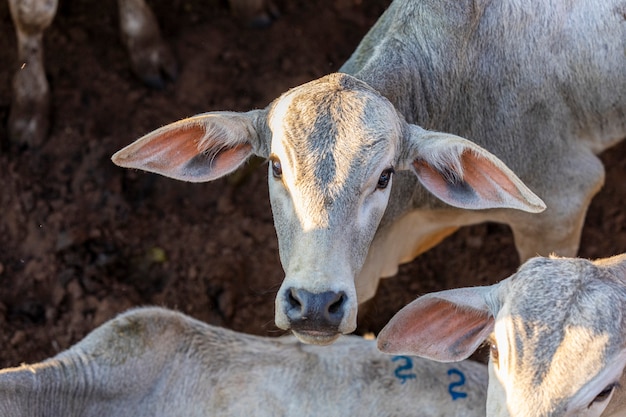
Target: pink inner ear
(228, 159)
(482, 174)
(437, 329)
(170, 149)
(484, 184)
(430, 177)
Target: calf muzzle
(315, 315)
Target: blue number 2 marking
(458, 383)
(403, 372)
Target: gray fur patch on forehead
(548, 296)
(334, 126)
(340, 101)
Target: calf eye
(606, 392)
(277, 169)
(495, 356)
(385, 177)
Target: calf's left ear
(446, 326)
(465, 175)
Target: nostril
(336, 306)
(293, 299)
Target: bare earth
(82, 240)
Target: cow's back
(496, 72)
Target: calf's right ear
(446, 326)
(197, 149)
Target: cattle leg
(30, 104)
(558, 229)
(151, 58)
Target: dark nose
(318, 312)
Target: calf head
(555, 330)
(333, 145)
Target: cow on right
(556, 332)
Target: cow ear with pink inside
(446, 326)
(197, 149)
(465, 175)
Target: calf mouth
(315, 337)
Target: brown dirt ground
(82, 240)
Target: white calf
(556, 328)
(156, 362)
(361, 178)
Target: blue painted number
(403, 372)
(454, 386)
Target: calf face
(333, 146)
(555, 329)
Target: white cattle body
(361, 177)
(153, 362)
(556, 330)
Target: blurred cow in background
(150, 57)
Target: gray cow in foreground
(556, 328)
(361, 177)
(157, 363)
